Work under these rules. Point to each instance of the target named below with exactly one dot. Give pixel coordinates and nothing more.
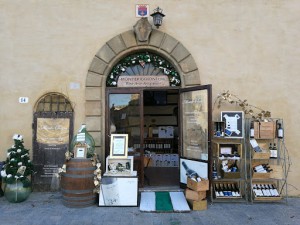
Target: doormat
(163, 202)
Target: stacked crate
(195, 193)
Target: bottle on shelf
(262, 168)
(217, 191)
(218, 130)
(234, 167)
(279, 131)
(191, 173)
(229, 190)
(224, 190)
(276, 194)
(273, 152)
(220, 190)
(215, 172)
(252, 130)
(236, 190)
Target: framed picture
(234, 123)
(119, 146)
(80, 151)
(192, 166)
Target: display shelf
(267, 165)
(228, 152)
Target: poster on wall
(53, 131)
(195, 124)
(188, 167)
(234, 123)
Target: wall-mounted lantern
(157, 17)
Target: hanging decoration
(253, 111)
(142, 59)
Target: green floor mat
(163, 201)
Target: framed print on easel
(119, 146)
(80, 151)
(234, 123)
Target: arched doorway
(110, 54)
(52, 133)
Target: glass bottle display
(83, 137)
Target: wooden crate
(264, 130)
(203, 185)
(261, 175)
(198, 205)
(277, 172)
(264, 154)
(266, 198)
(230, 175)
(195, 195)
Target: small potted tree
(16, 172)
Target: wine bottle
(217, 191)
(234, 167)
(271, 190)
(190, 173)
(237, 191)
(218, 132)
(252, 130)
(222, 189)
(233, 191)
(229, 190)
(279, 131)
(215, 172)
(255, 190)
(275, 190)
(273, 152)
(259, 190)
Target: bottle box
(264, 152)
(194, 195)
(197, 205)
(202, 185)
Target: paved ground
(46, 208)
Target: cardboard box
(198, 205)
(203, 185)
(194, 195)
(264, 130)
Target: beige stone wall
(248, 47)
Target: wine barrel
(77, 184)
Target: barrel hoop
(82, 168)
(77, 191)
(78, 204)
(78, 176)
(79, 198)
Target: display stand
(119, 184)
(233, 184)
(270, 186)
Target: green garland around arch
(142, 59)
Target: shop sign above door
(143, 81)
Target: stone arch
(114, 50)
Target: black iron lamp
(157, 17)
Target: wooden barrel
(77, 184)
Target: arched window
(144, 64)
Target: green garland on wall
(142, 59)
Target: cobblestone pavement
(43, 208)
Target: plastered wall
(248, 47)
